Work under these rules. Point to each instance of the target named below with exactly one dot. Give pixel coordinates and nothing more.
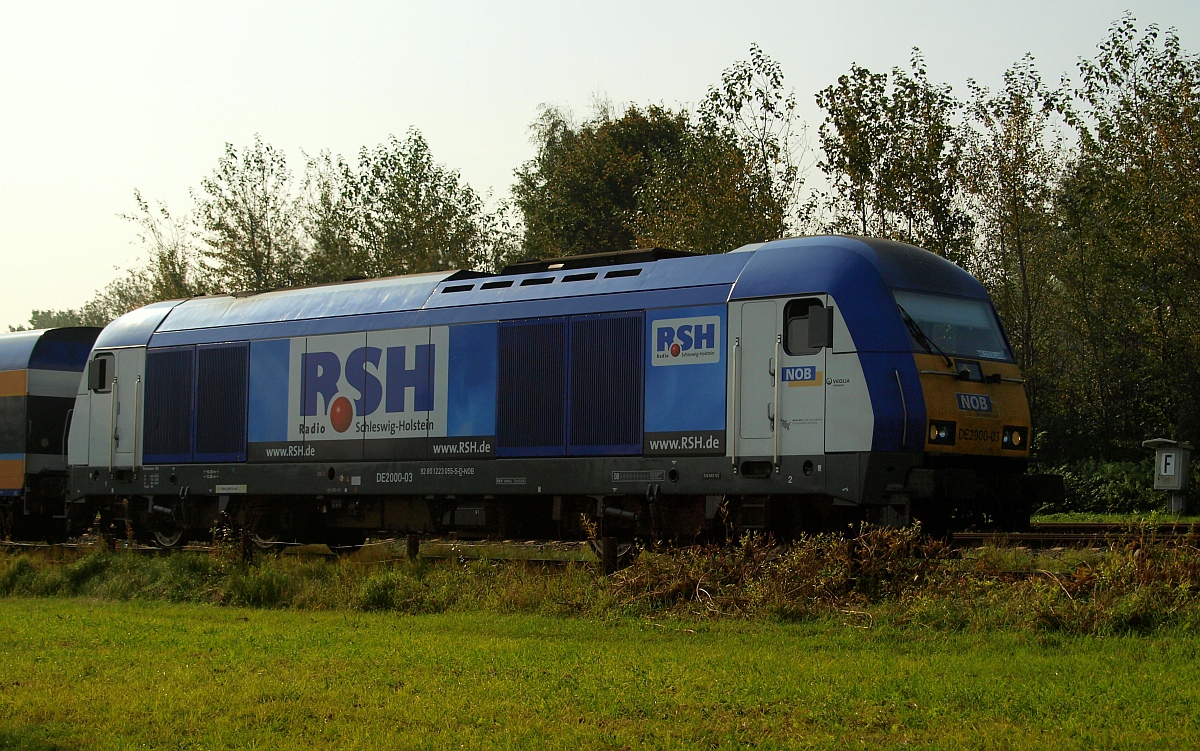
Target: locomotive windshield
(953, 326)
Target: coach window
(807, 327)
(100, 373)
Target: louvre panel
(221, 402)
(607, 358)
(168, 402)
(532, 384)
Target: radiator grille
(532, 385)
(221, 402)
(170, 375)
(607, 356)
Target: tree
(705, 198)
(1131, 214)
(397, 212)
(580, 193)
(1014, 162)
(417, 215)
(892, 153)
(332, 220)
(250, 221)
(752, 109)
(706, 182)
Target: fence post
(608, 554)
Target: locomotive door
(115, 386)
(754, 379)
(803, 344)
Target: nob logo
(372, 384)
(687, 341)
(974, 402)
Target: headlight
(1015, 438)
(941, 432)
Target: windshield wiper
(920, 335)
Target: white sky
(100, 98)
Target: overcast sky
(101, 98)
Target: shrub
(1094, 485)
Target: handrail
(737, 397)
(66, 431)
(903, 406)
(112, 423)
(776, 377)
(137, 392)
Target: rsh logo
(974, 402)
(687, 341)
(323, 370)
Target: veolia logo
(321, 372)
(687, 341)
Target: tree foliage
(249, 219)
(705, 181)
(1131, 259)
(892, 152)
(1014, 158)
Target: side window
(807, 326)
(100, 373)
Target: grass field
(79, 673)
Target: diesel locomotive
(785, 386)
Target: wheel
(266, 541)
(268, 533)
(168, 535)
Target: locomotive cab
(977, 441)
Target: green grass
(1145, 517)
(1144, 585)
(78, 673)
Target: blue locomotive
(785, 386)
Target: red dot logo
(674, 350)
(341, 414)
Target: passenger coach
(39, 377)
(788, 385)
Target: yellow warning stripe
(12, 474)
(13, 383)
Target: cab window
(100, 373)
(807, 327)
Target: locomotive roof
(47, 349)
(790, 266)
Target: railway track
(1081, 535)
(533, 552)
(553, 553)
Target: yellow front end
(984, 415)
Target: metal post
(414, 546)
(608, 554)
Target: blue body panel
(471, 407)
(325, 302)
(267, 408)
(135, 327)
(64, 348)
(508, 311)
(16, 349)
(685, 397)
